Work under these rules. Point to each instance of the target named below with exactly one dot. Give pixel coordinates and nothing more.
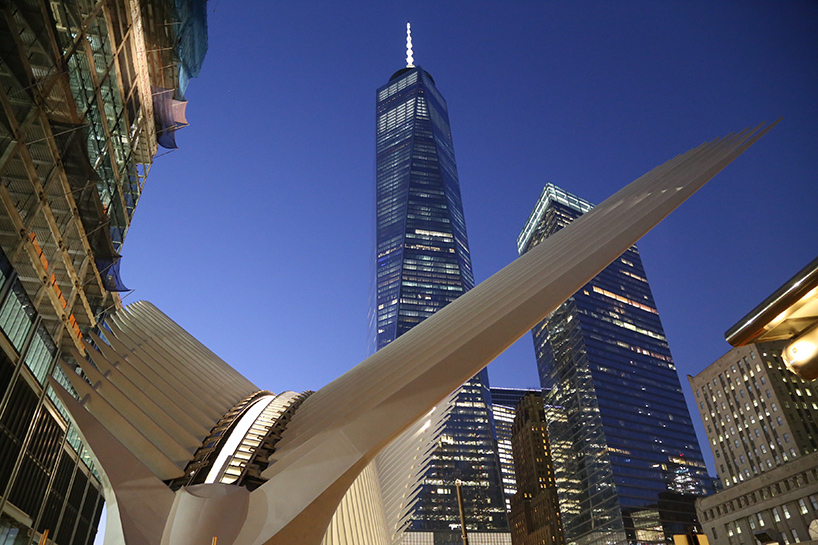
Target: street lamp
(463, 534)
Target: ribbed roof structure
(339, 429)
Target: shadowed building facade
(535, 515)
(762, 425)
(627, 461)
(504, 401)
(423, 264)
(759, 406)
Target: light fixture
(801, 355)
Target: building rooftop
(549, 193)
(789, 311)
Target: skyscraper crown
(550, 193)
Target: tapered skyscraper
(422, 265)
(627, 463)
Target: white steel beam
(162, 464)
(153, 384)
(162, 409)
(346, 423)
(139, 409)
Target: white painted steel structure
(157, 392)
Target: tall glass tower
(423, 264)
(627, 462)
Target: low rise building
(780, 506)
(761, 419)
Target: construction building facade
(88, 92)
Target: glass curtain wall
(627, 461)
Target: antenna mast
(409, 59)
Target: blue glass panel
(626, 457)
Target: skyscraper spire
(409, 59)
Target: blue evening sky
(257, 234)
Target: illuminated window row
(398, 86)
(625, 300)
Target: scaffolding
(78, 133)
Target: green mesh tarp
(191, 38)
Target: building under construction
(89, 92)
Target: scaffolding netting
(72, 142)
(109, 272)
(192, 38)
(169, 116)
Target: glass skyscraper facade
(423, 260)
(627, 462)
(422, 265)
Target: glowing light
(801, 355)
(409, 59)
(778, 319)
(801, 350)
(241, 429)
